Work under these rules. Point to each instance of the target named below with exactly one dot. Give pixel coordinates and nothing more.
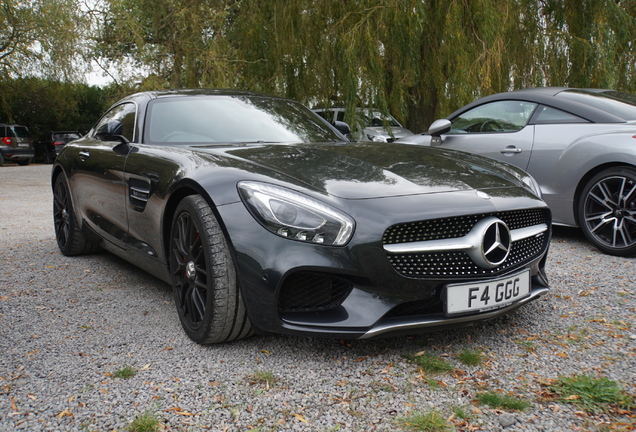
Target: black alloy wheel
(70, 238)
(206, 293)
(607, 211)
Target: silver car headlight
(532, 185)
(377, 138)
(293, 215)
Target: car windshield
(18, 131)
(376, 118)
(622, 105)
(233, 119)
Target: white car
(372, 124)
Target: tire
(70, 238)
(24, 162)
(206, 293)
(1, 159)
(607, 211)
(47, 157)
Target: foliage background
(418, 59)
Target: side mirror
(438, 128)
(343, 128)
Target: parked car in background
(261, 215)
(579, 144)
(15, 144)
(372, 124)
(49, 147)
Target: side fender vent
(138, 193)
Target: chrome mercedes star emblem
(492, 241)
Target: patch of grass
(429, 363)
(496, 400)
(461, 412)
(145, 422)
(266, 378)
(126, 372)
(591, 394)
(431, 421)
(527, 345)
(470, 357)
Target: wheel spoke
(601, 200)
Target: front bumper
(358, 291)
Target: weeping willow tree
(418, 59)
(41, 38)
(180, 43)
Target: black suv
(15, 144)
(50, 146)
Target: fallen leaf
(300, 417)
(14, 407)
(145, 367)
(65, 413)
(562, 355)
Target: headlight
(532, 185)
(296, 216)
(377, 138)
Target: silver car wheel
(608, 211)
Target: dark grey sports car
(262, 216)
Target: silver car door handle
(510, 149)
(84, 154)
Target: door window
(500, 116)
(118, 121)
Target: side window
(548, 115)
(500, 116)
(327, 115)
(118, 121)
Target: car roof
(546, 96)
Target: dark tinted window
(118, 121)
(17, 131)
(622, 105)
(232, 119)
(66, 135)
(548, 115)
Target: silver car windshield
(233, 119)
(622, 105)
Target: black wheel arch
(180, 191)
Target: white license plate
(483, 296)
(23, 145)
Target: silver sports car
(579, 144)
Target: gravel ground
(67, 325)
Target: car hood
(376, 169)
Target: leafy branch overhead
(418, 59)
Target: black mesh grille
(457, 264)
(312, 292)
(437, 229)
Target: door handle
(84, 155)
(510, 149)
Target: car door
(98, 174)
(498, 130)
